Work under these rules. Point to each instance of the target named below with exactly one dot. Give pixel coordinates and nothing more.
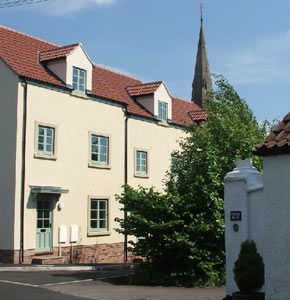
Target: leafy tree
(181, 232)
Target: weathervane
(201, 18)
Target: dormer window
(149, 95)
(79, 80)
(162, 111)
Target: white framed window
(45, 140)
(163, 110)
(173, 161)
(98, 215)
(141, 163)
(99, 150)
(79, 79)
(173, 165)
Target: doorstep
(47, 260)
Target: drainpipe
(126, 177)
(24, 123)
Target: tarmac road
(74, 285)
(17, 292)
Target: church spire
(202, 84)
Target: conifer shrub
(249, 268)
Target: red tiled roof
(56, 53)
(198, 115)
(278, 141)
(20, 52)
(182, 110)
(143, 89)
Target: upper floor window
(45, 144)
(141, 164)
(162, 111)
(79, 79)
(99, 215)
(99, 150)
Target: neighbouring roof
(198, 115)
(57, 53)
(278, 141)
(21, 52)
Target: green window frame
(79, 79)
(141, 162)
(46, 140)
(174, 160)
(163, 110)
(100, 149)
(99, 215)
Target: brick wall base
(99, 253)
(8, 256)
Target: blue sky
(247, 41)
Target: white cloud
(265, 61)
(57, 7)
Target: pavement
(77, 285)
(64, 267)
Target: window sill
(98, 166)
(79, 94)
(141, 175)
(99, 233)
(163, 123)
(45, 156)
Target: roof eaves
(66, 88)
(9, 66)
(272, 152)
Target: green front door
(44, 220)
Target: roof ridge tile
(60, 47)
(146, 83)
(28, 35)
(116, 71)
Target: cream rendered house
(72, 133)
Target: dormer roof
(143, 89)
(20, 52)
(57, 52)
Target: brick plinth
(8, 256)
(99, 253)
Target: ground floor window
(98, 215)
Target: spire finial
(201, 17)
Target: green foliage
(176, 250)
(249, 268)
(232, 127)
(181, 232)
